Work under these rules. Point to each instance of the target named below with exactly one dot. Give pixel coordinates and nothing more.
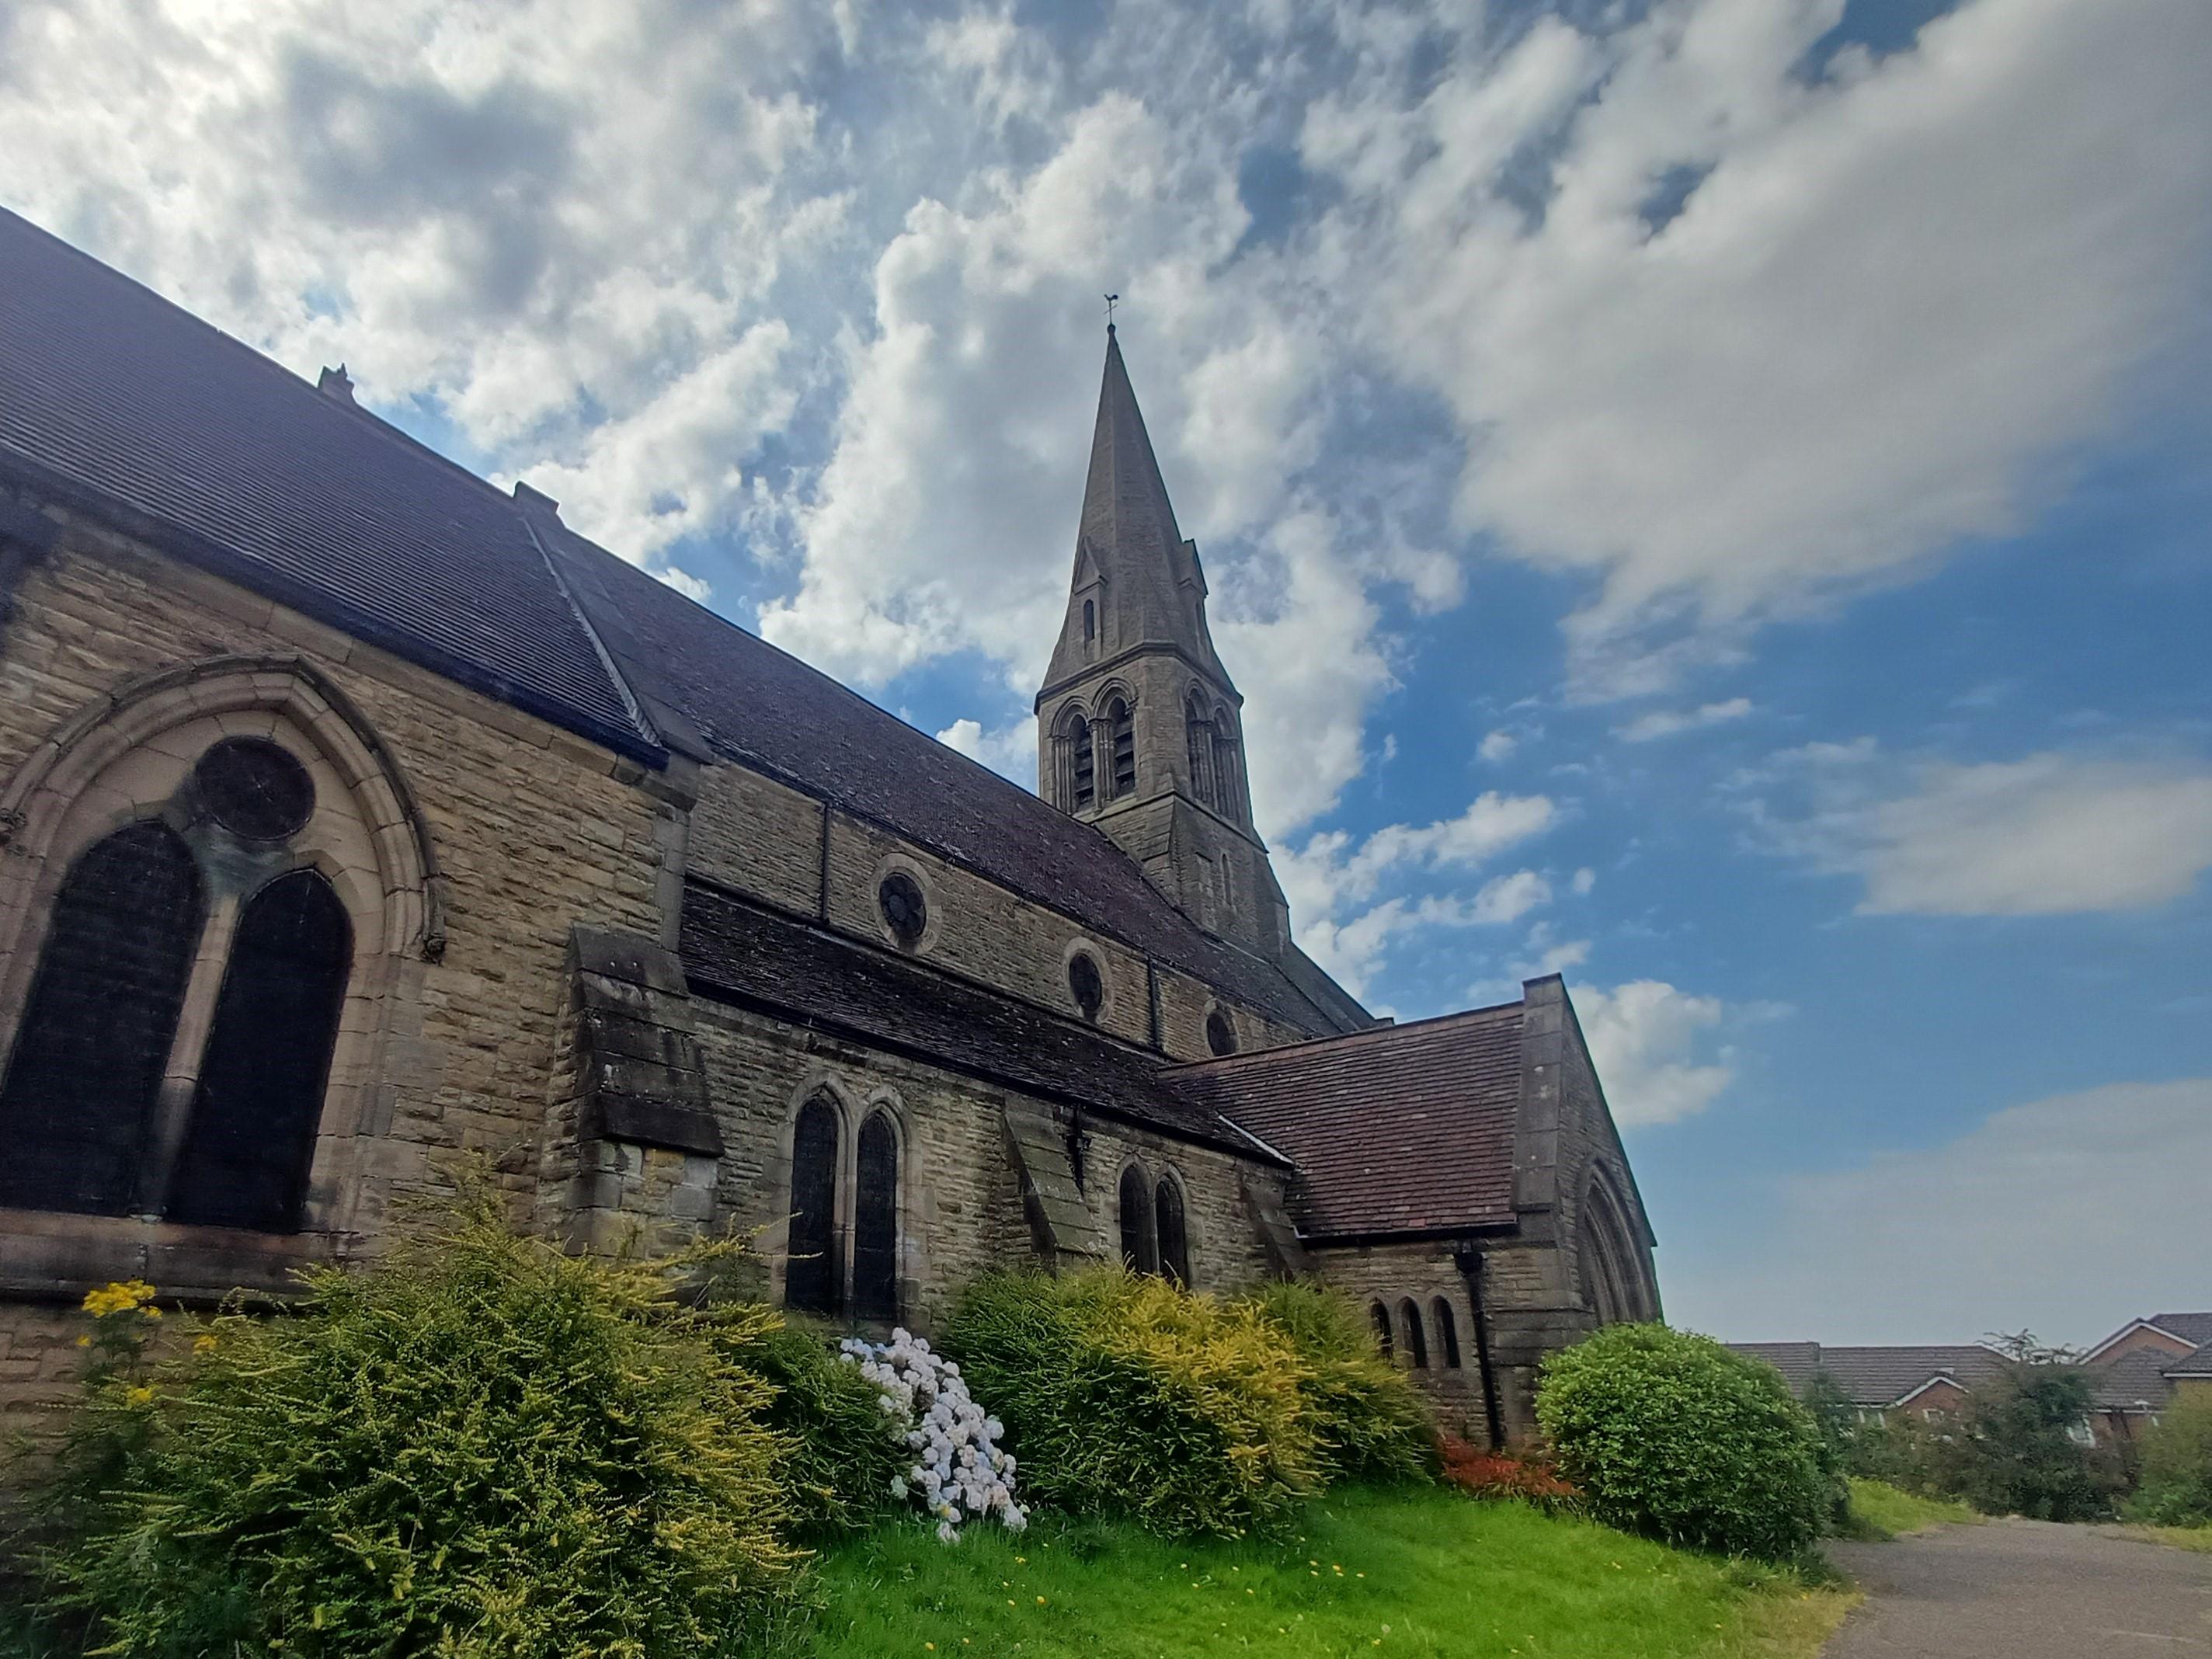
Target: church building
(357, 815)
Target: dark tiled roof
(2189, 1327)
(107, 388)
(2193, 1364)
(742, 953)
(2134, 1381)
(762, 708)
(1883, 1376)
(1402, 1129)
(1797, 1361)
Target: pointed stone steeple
(1140, 727)
(1133, 567)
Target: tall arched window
(1138, 1253)
(1228, 767)
(245, 1158)
(1082, 763)
(1122, 749)
(1090, 620)
(1416, 1341)
(875, 1220)
(1379, 1316)
(814, 1275)
(1175, 1242)
(1198, 739)
(94, 1040)
(1447, 1332)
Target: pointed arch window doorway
(1122, 749)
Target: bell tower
(1139, 728)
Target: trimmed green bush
(2010, 1448)
(840, 1451)
(1369, 1421)
(1673, 1436)
(1126, 1395)
(2174, 1488)
(479, 1445)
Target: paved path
(2025, 1589)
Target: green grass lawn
(2198, 1539)
(1424, 1574)
(1887, 1511)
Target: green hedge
(840, 1452)
(1125, 1394)
(1369, 1421)
(478, 1446)
(1674, 1437)
(2174, 1488)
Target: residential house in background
(2138, 1368)
(1927, 1381)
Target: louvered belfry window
(875, 1222)
(79, 1102)
(244, 1162)
(1084, 771)
(1121, 729)
(814, 1276)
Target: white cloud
(1498, 745)
(1645, 1037)
(2051, 834)
(1011, 750)
(2066, 1216)
(1585, 878)
(1667, 722)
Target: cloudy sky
(1708, 495)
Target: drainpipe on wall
(1468, 1258)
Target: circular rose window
(254, 788)
(906, 912)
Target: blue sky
(1708, 496)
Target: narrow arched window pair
(1155, 1238)
(825, 1206)
(1212, 752)
(1087, 776)
(89, 1124)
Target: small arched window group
(1096, 760)
(1155, 1235)
(114, 1102)
(835, 1201)
(1214, 755)
(1408, 1333)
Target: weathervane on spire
(1111, 300)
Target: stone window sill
(54, 1256)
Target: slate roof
(2134, 1381)
(744, 953)
(1883, 1376)
(104, 387)
(2189, 1327)
(1401, 1129)
(2193, 1364)
(1797, 1361)
(110, 394)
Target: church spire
(1137, 581)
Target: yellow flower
(84, 1342)
(124, 1296)
(203, 1344)
(141, 1395)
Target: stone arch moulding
(59, 769)
(104, 767)
(1611, 1269)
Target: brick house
(356, 814)
(1929, 1381)
(2138, 1370)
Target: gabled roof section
(114, 400)
(2193, 1328)
(1152, 585)
(745, 953)
(2192, 1365)
(2135, 1381)
(1885, 1375)
(1396, 1129)
(1797, 1361)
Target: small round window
(906, 912)
(253, 788)
(1086, 984)
(1220, 1035)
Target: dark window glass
(903, 905)
(1447, 1326)
(1228, 789)
(1175, 1247)
(96, 1036)
(1220, 1033)
(1123, 732)
(252, 1138)
(1381, 1317)
(1137, 1254)
(1416, 1341)
(814, 1275)
(875, 1222)
(1082, 766)
(1086, 984)
(252, 788)
(1198, 735)
(1090, 621)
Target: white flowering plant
(960, 1472)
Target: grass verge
(1886, 1511)
(2198, 1539)
(1418, 1572)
